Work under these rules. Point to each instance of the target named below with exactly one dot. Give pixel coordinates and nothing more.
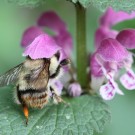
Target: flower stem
(81, 45)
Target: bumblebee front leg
(26, 113)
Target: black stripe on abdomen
(31, 91)
(19, 95)
(27, 91)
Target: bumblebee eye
(28, 57)
(65, 62)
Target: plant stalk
(81, 45)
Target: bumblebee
(32, 79)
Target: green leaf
(124, 5)
(28, 3)
(85, 115)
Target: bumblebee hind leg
(56, 98)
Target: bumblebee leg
(26, 113)
(57, 99)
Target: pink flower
(111, 50)
(128, 80)
(64, 40)
(106, 21)
(103, 33)
(111, 55)
(43, 46)
(50, 20)
(111, 17)
(109, 90)
(95, 66)
(107, 58)
(30, 34)
(127, 38)
(62, 37)
(74, 89)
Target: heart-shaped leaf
(84, 115)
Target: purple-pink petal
(43, 46)
(107, 91)
(30, 34)
(59, 86)
(95, 68)
(102, 33)
(74, 89)
(111, 17)
(111, 50)
(127, 38)
(51, 20)
(96, 82)
(128, 80)
(65, 41)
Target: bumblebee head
(56, 64)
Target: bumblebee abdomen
(35, 101)
(33, 98)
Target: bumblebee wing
(10, 77)
(46, 72)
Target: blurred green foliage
(15, 19)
